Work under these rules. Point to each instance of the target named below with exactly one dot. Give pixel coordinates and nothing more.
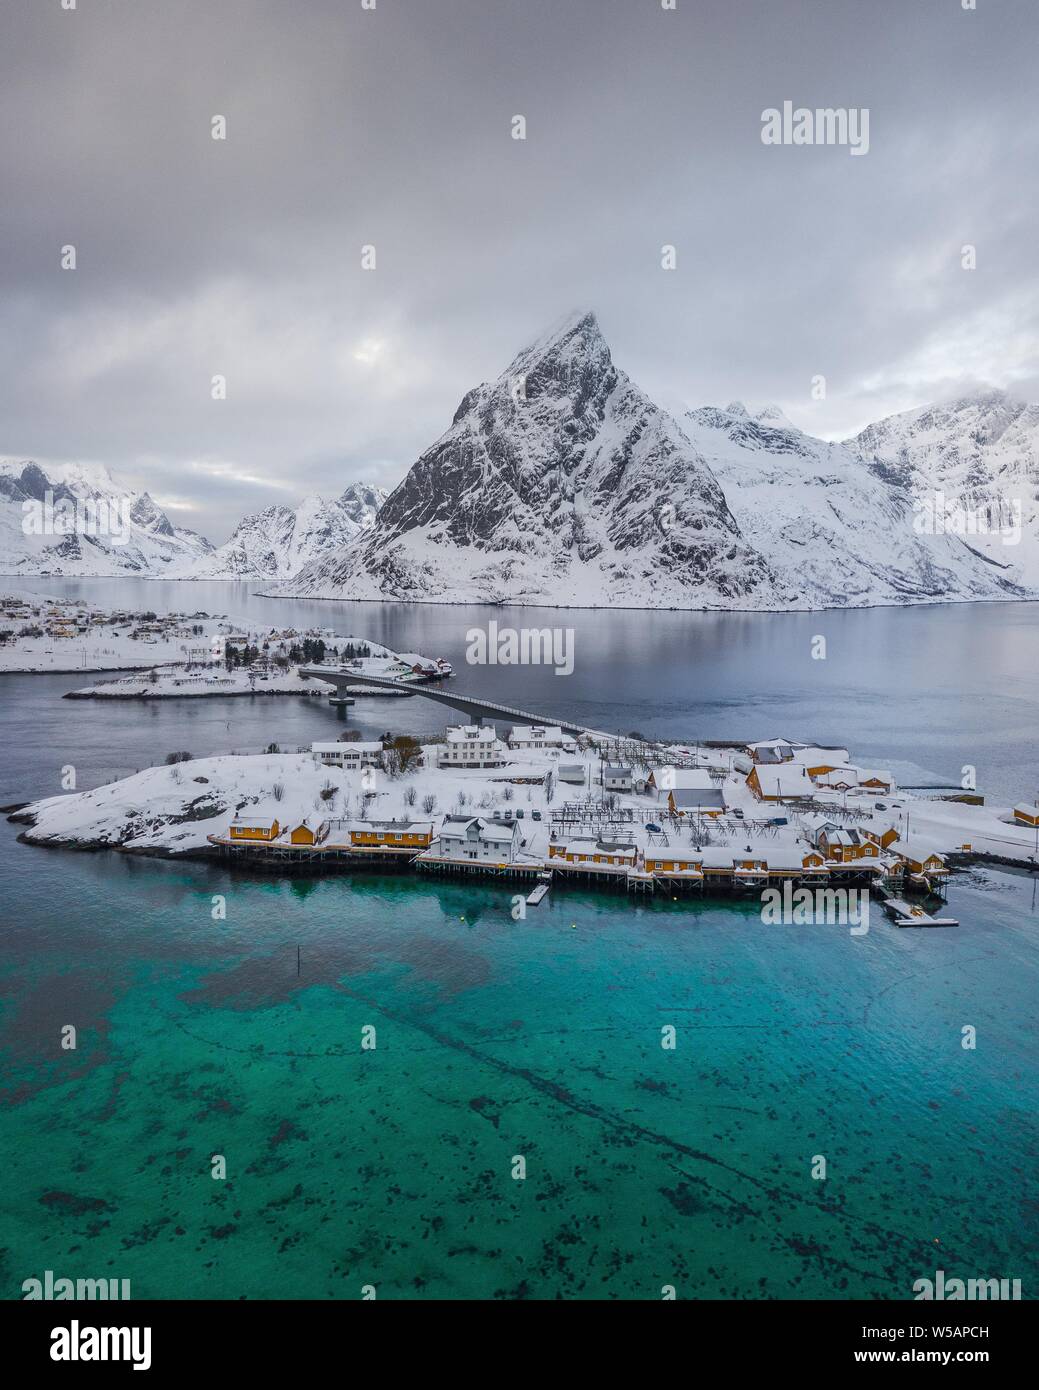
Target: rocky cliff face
(559, 483)
(562, 483)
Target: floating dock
(537, 894)
(905, 914)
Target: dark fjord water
(645, 1167)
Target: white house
(350, 756)
(540, 736)
(616, 778)
(484, 842)
(663, 780)
(472, 745)
(571, 773)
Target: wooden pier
(905, 914)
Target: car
(881, 805)
(496, 816)
(737, 812)
(535, 815)
(653, 829)
(519, 815)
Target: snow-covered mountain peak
(753, 431)
(76, 519)
(576, 334)
(560, 482)
(362, 502)
(280, 541)
(773, 416)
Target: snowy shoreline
(485, 602)
(178, 810)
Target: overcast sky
(392, 127)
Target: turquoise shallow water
(541, 1038)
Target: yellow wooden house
(675, 861)
(845, 846)
(787, 783)
(1027, 815)
(259, 829)
(584, 850)
(391, 834)
(920, 859)
(306, 834)
(883, 838)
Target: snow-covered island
(535, 801)
(183, 655)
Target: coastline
(520, 602)
(314, 863)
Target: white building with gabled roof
(617, 778)
(349, 756)
(473, 839)
(540, 736)
(472, 745)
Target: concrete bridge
(475, 706)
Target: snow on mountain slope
(559, 483)
(836, 532)
(75, 519)
(280, 541)
(973, 465)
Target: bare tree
(403, 755)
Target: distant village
(186, 654)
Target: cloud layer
(349, 127)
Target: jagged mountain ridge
(837, 532)
(980, 452)
(561, 483)
(149, 545)
(280, 541)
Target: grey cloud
(345, 127)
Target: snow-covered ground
(186, 682)
(174, 809)
(103, 646)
